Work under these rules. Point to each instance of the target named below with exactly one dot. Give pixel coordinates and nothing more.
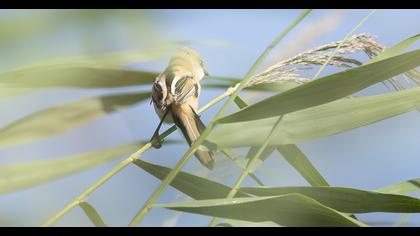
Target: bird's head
(190, 58)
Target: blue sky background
(369, 157)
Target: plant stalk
(341, 43)
(251, 162)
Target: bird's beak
(205, 71)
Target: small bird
(175, 96)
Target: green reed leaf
(16, 177)
(301, 163)
(285, 210)
(327, 89)
(347, 200)
(407, 187)
(318, 122)
(92, 214)
(194, 186)
(60, 119)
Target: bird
(175, 95)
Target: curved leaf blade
(285, 210)
(347, 200)
(74, 75)
(318, 122)
(92, 214)
(396, 49)
(194, 186)
(407, 187)
(17, 177)
(63, 118)
(327, 89)
(295, 157)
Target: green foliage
(310, 111)
(292, 154)
(194, 186)
(407, 187)
(346, 199)
(396, 49)
(301, 163)
(319, 121)
(93, 215)
(74, 76)
(286, 210)
(17, 177)
(327, 89)
(64, 118)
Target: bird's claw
(156, 141)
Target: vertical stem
(230, 155)
(251, 162)
(341, 43)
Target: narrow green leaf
(194, 186)
(96, 71)
(318, 122)
(63, 118)
(254, 150)
(407, 187)
(327, 89)
(239, 102)
(293, 155)
(396, 49)
(346, 199)
(17, 177)
(74, 75)
(301, 163)
(285, 210)
(92, 214)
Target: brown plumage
(176, 92)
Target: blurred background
(369, 157)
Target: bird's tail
(191, 127)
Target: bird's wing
(184, 88)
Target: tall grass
(279, 122)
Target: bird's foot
(156, 141)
